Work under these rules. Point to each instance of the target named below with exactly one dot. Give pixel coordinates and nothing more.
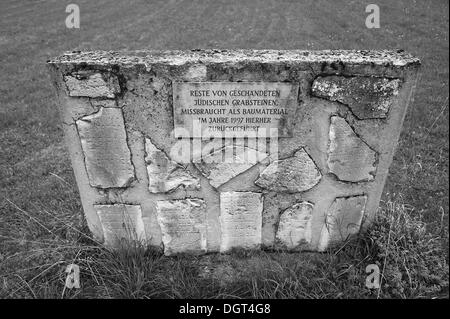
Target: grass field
(41, 224)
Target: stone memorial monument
(209, 150)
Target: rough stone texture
(349, 157)
(343, 219)
(367, 97)
(164, 174)
(228, 162)
(294, 227)
(240, 220)
(183, 225)
(121, 222)
(139, 87)
(89, 84)
(274, 204)
(378, 59)
(294, 174)
(106, 153)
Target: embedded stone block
(349, 157)
(294, 227)
(165, 175)
(240, 220)
(367, 97)
(343, 219)
(224, 164)
(294, 174)
(121, 222)
(88, 84)
(183, 225)
(105, 150)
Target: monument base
(205, 151)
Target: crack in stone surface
(294, 174)
(367, 97)
(349, 157)
(104, 143)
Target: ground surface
(40, 212)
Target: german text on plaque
(234, 109)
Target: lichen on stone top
(386, 58)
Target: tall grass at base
(413, 263)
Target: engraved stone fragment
(367, 97)
(343, 219)
(90, 84)
(349, 157)
(121, 222)
(228, 162)
(240, 220)
(106, 153)
(294, 226)
(294, 174)
(164, 174)
(183, 225)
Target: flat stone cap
(385, 58)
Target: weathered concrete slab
(294, 174)
(240, 220)
(343, 220)
(349, 157)
(334, 144)
(121, 222)
(367, 97)
(294, 227)
(165, 175)
(89, 84)
(104, 142)
(183, 225)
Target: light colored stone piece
(349, 157)
(121, 222)
(183, 225)
(224, 164)
(103, 103)
(240, 220)
(104, 143)
(343, 219)
(294, 174)
(92, 85)
(164, 174)
(367, 97)
(294, 226)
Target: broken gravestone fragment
(164, 174)
(367, 97)
(349, 157)
(292, 175)
(183, 225)
(343, 219)
(228, 162)
(240, 220)
(88, 84)
(106, 154)
(294, 227)
(121, 222)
